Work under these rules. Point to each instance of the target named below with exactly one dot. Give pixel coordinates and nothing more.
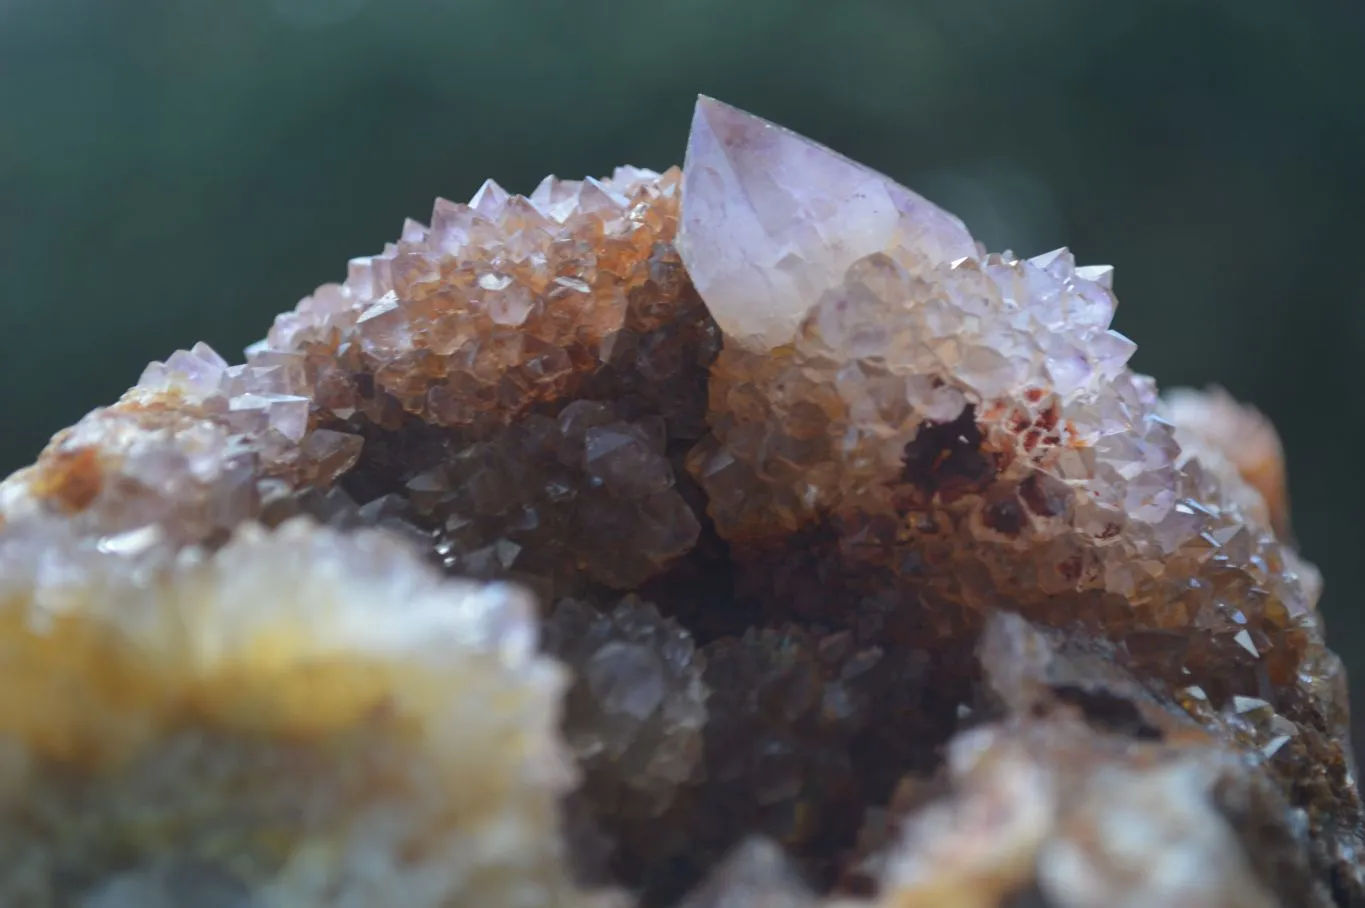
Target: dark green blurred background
(173, 171)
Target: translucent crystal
(635, 715)
(771, 220)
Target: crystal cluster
(967, 436)
(635, 714)
(536, 500)
(741, 534)
(506, 303)
(193, 451)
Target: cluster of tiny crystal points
(454, 352)
(180, 461)
(981, 413)
(534, 500)
(830, 514)
(503, 304)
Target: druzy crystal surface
(739, 535)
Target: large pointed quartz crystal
(770, 220)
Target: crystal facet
(771, 220)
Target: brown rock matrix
(744, 534)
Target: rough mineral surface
(743, 535)
(285, 720)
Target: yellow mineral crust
(291, 717)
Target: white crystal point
(1100, 274)
(770, 220)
